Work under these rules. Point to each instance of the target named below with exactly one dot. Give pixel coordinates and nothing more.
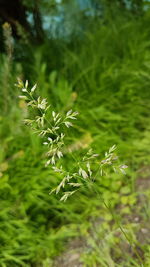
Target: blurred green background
(92, 56)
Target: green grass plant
(105, 77)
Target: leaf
(125, 190)
(124, 200)
(3, 166)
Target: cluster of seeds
(50, 126)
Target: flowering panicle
(49, 125)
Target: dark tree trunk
(13, 12)
(38, 22)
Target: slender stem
(120, 226)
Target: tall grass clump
(109, 71)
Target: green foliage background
(106, 77)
